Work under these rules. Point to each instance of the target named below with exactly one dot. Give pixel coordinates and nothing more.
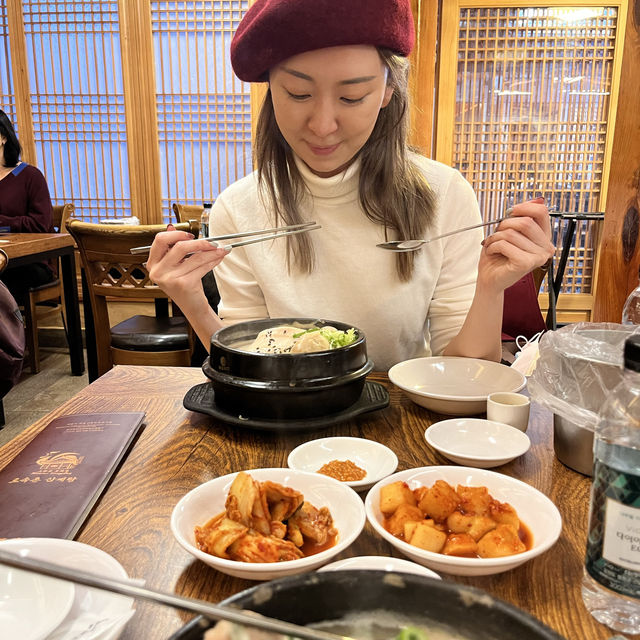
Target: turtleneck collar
(338, 189)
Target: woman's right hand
(177, 274)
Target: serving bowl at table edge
(198, 506)
(534, 509)
(403, 599)
(285, 385)
(454, 385)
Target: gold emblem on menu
(58, 463)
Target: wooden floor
(36, 395)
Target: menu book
(49, 488)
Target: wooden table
(27, 248)
(178, 450)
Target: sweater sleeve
(241, 297)
(37, 216)
(456, 282)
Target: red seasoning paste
(343, 470)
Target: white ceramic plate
(534, 509)
(98, 614)
(476, 442)
(376, 459)
(380, 563)
(452, 385)
(207, 500)
(31, 605)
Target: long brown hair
(392, 191)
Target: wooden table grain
(27, 248)
(178, 450)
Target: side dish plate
(373, 457)
(475, 442)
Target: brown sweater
(25, 205)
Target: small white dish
(94, 614)
(32, 606)
(453, 385)
(207, 500)
(534, 509)
(376, 459)
(380, 563)
(475, 442)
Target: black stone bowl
(286, 385)
(416, 600)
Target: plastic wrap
(577, 367)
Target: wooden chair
(186, 212)
(111, 271)
(193, 212)
(45, 299)
(521, 312)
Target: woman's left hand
(521, 243)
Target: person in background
(25, 207)
(331, 146)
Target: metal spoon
(414, 245)
(207, 609)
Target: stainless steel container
(578, 367)
(573, 445)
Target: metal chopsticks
(265, 234)
(207, 609)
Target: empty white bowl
(202, 503)
(534, 509)
(453, 385)
(376, 459)
(89, 605)
(32, 606)
(380, 563)
(476, 442)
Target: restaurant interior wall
(128, 107)
(527, 105)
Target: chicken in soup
(288, 339)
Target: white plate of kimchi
(262, 524)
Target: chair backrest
(111, 270)
(521, 312)
(4, 260)
(539, 274)
(62, 213)
(186, 212)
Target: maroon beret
(274, 30)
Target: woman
(25, 207)
(331, 147)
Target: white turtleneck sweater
(354, 281)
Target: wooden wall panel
(527, 98)
(74, 70)
(204, 111)
(140, 109)
(20, 77)
(422, 82)
(619, 249)
(127, 106)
